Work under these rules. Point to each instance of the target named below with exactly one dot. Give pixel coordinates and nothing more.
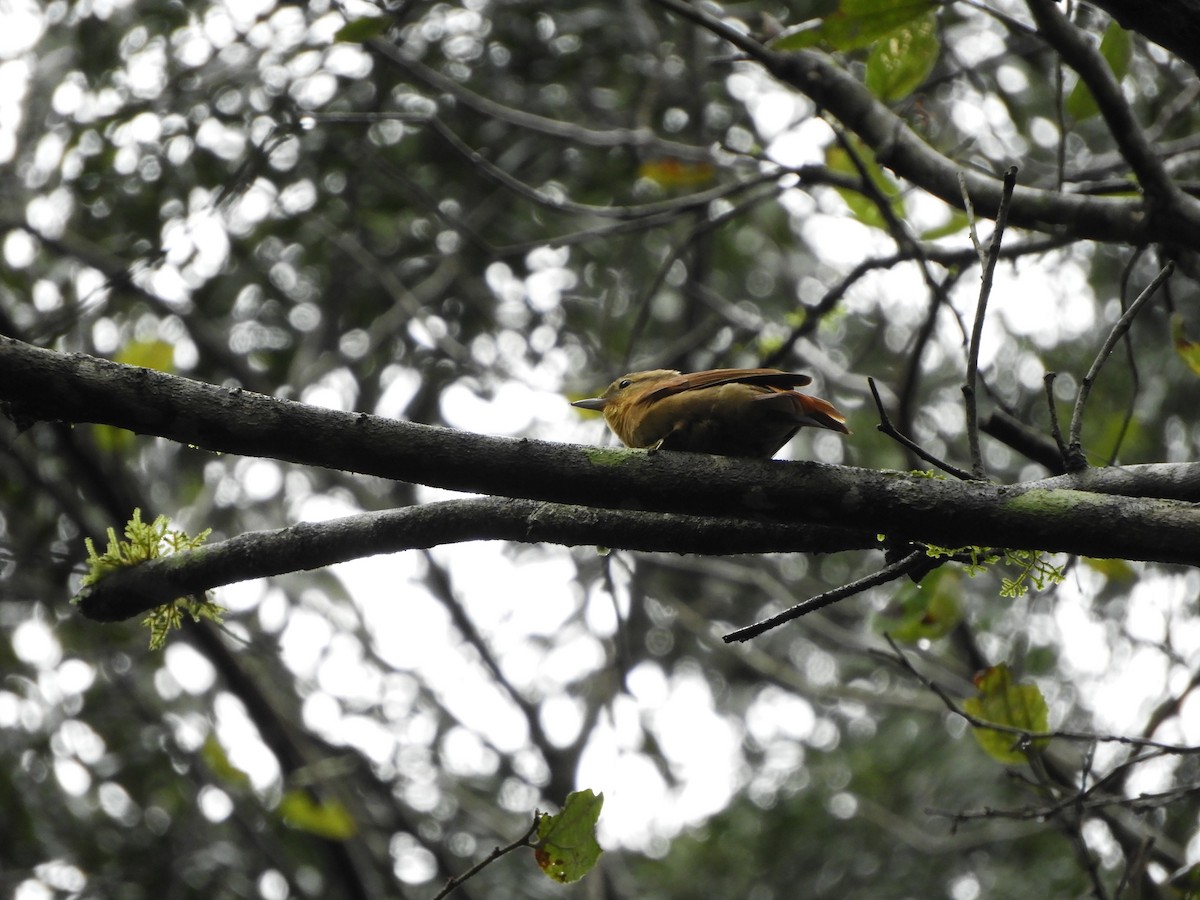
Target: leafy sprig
(1033, 567)
(144, 542)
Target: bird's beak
(596, 403)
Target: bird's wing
(771, 378)
(806, 409)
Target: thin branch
(1075, 456)
(1126, 131)
(1026, 440)
(885, 426)
(910, 156)
(888, 573)
(985, 289)
(643, 139)
(950, 259)
(1131, 358)
(545, 199)
(525, 840)
(310, 545)
(1024, 734)
(888, 429)
(969, 210)
(1055, 428)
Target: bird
(728, 412)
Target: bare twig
(885, 426)
(643, 139)
(969, 209)
(888, 573)
(1030, 442)
(1055, 429)
(985, 290)
(525, 840)
(1024, 734)
(546, 199)
(1131, 359)
(1075, 456)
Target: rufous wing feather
(769, 378)
(807, 410)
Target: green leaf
(218, 763)
(902, 59)
(155, 354)
(927, 611)
(1002, 702)
(566, 848)
(956, 224)
(855, 24)
(862, 207)
(328, 820)
(1188, 350)
(807, 10)
(1115, 570)
(361, 30)
(1117, 48)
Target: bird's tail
(805, 409)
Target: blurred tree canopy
(391, 218)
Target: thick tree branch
(1173, 24)
(42, 384)
(907, 154)
(311, 545)
(1127, 132)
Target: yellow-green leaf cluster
(1034, 570)
(144, 542)
(1032, 566)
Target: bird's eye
(623, 383)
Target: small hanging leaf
(1188, 350)
(861, 206)
(954, 225)
(855, 24)
(566, 848)
(1117, 48)
(807, 10)
(328, 820)
(925, 611)
(1115, 570)
(218, 762)
(153, 354)
(1014, 705)
(902, 59)
(677, 173)
(361, 30)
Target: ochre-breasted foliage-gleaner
(731, 412)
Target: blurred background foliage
(461, 214)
